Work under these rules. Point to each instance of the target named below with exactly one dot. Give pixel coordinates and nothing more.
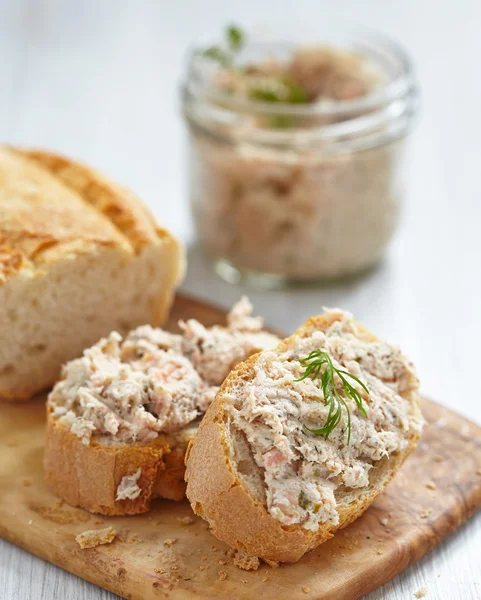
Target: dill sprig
(277, 88)
(218, 55)
(234, 40)
(235, 37)
(318, 361)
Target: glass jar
(315, 199)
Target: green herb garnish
(225, 56)
(296, 94)
(281, 121)
(264, 94)
(218, 55)
(278, 89)
(318, 361)
(235, 37)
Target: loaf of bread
(80, 256)
(121, 416)
(301, 439)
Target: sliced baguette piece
(90, 476)
(151, 385)
(227, 486)
(80, 256)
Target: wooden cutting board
(157, 555)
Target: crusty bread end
(80, 256)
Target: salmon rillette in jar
(296, 154)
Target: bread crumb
(185, 520)
(202, 568)
(96, 537)
(99, 522)
(264, 579)
(26, 483)
(170, 542)
(222, 575)
(306, 589)
(244, 581)
(134, 539)
(384, 521)
(161, 571)
(174, 568)
(421, 592)
(221, 561)
(424, 514)
(244, 560)
(431, 485)
(204, 558)
(380, 552)
(59, 503)
(271, 563)
(30, 522)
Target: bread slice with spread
(80, 256)
(120, 418)
(301, 439)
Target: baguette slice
(89, 476)
(80, 256)
(227, 486)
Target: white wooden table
(98, 80)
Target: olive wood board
(437, 489)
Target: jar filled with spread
(296, 154)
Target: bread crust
(87, 476)
(116, 203)
(65, 208)
(218, 494)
